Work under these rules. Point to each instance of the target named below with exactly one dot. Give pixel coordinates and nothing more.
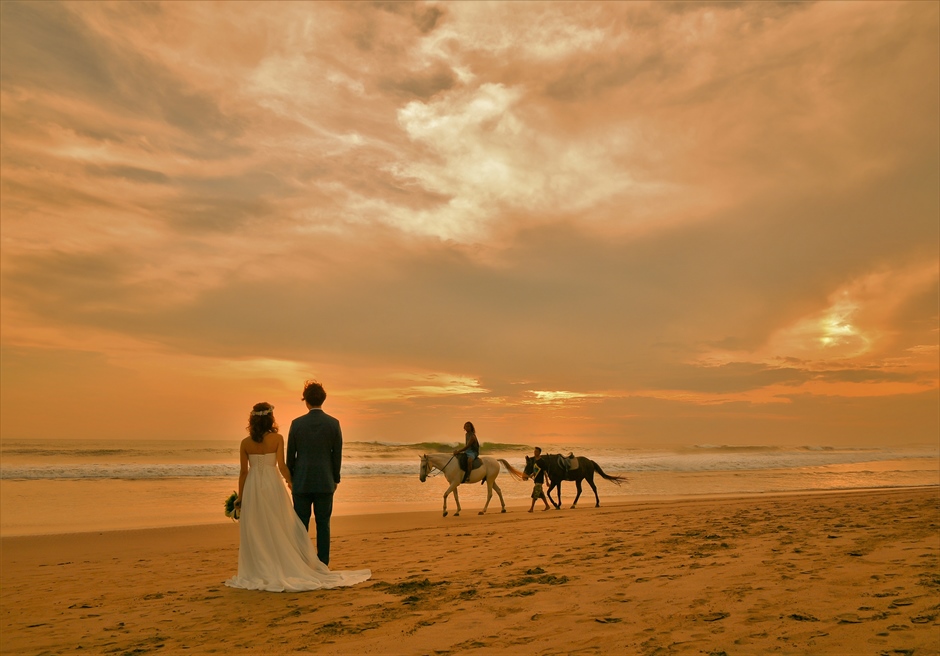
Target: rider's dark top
(473, 446)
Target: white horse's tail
(515, 473)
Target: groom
(314, 457)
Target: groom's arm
(291, 452)
(337, 453)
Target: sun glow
(836, 326)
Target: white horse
(450, 467)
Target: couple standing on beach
(275, 552)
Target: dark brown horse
(551, 463)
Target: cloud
(56, 51)
(569, 309)
(131, 173)
(557, 397)
(423, 84)
(646, 212)
(490, 161)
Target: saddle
(477, 463)
(462, 460)
(568, 464)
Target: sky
(632, 224)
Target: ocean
(73, 486)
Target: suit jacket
(314, 452)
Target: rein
(440, 470)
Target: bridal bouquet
(231, 510)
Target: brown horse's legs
(597, 499)
(548, 492)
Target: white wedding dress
(275, 553)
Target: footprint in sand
(901, 602)
(714, 617)
(924, 618)
(803, 617)
(849, 618)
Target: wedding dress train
(275, 553)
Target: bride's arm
(285, 472)
(243, 473)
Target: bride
(275, 552)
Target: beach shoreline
(359, 517)
(850, 571)
(64, 505)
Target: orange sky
(567, 222)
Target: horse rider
(471, 448)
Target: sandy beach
(822, 573)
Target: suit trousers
(322, 503)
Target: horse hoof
(445, 513)
(481, 512)
(503, 510)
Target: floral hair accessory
(261, 413)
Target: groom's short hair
(314, 394)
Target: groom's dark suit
(314, 458)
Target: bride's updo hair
(261, 421)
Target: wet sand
(824, 573)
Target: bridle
(431, 467)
